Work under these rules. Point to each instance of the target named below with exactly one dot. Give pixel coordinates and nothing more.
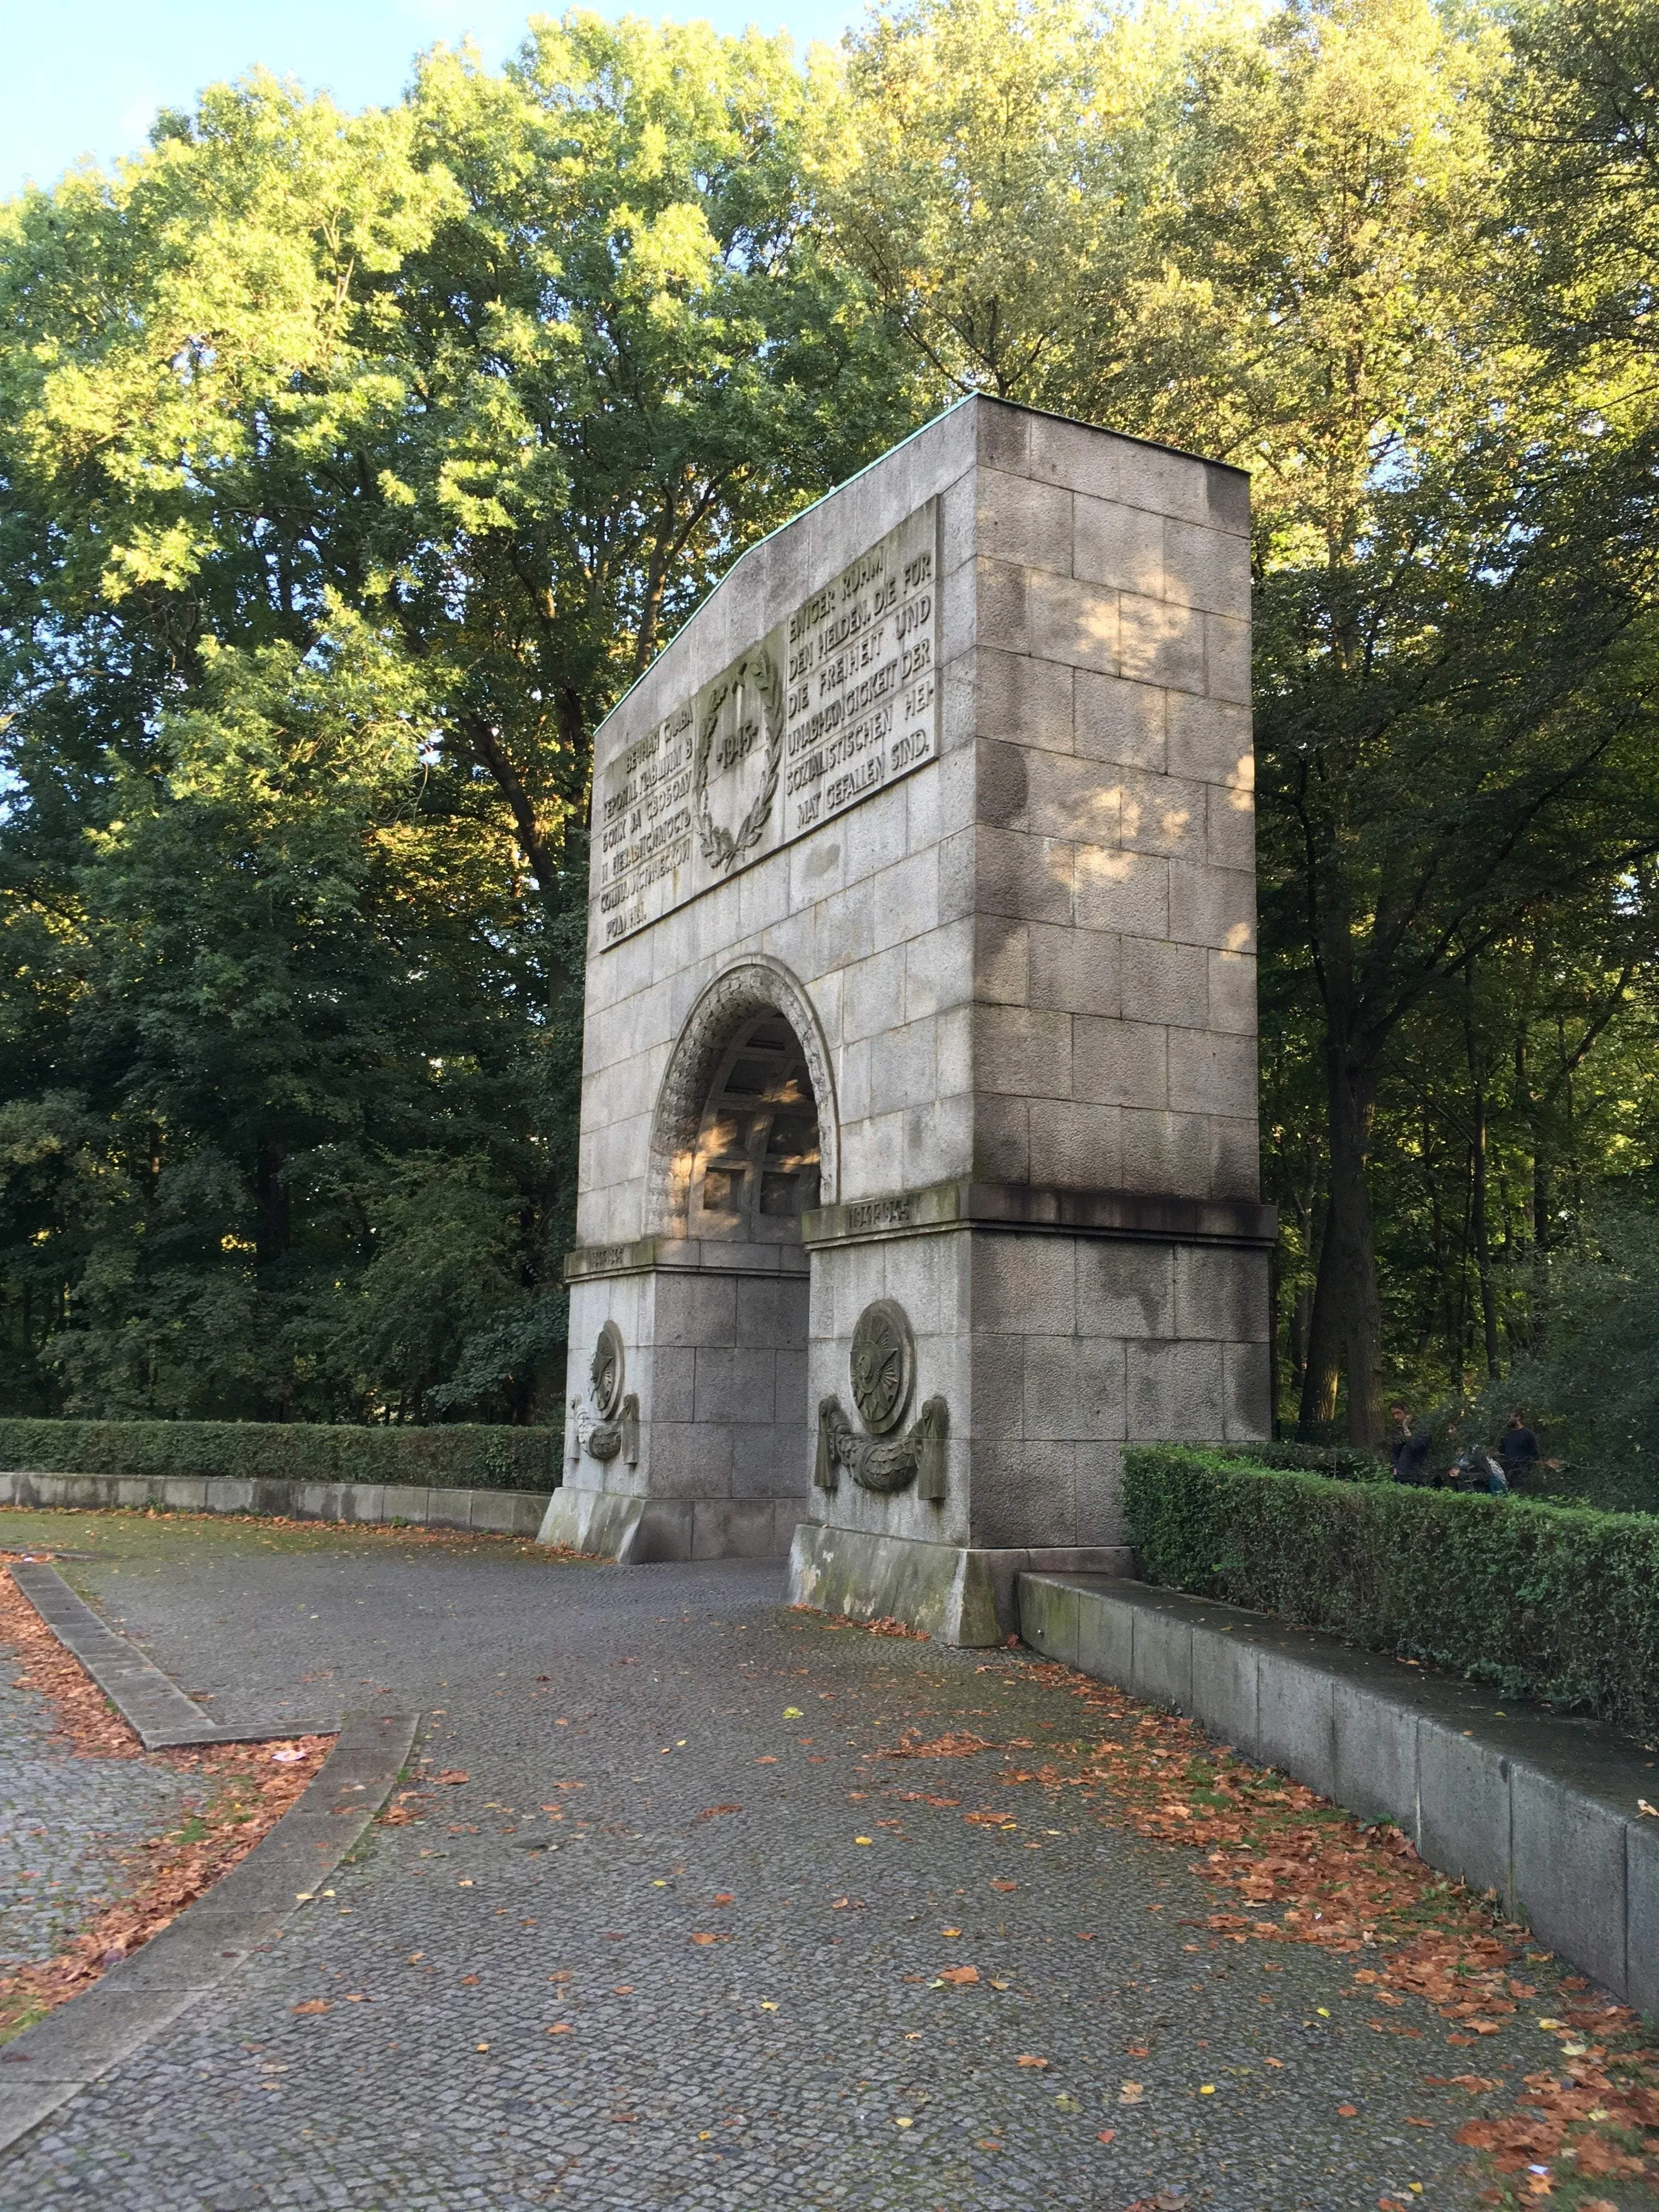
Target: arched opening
(755, 1167)
(744, 1138)
(744, 1143)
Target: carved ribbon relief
(883, 1364)
(616, 1430)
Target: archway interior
(755, 1169)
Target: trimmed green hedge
(1347, 1462)
(1559, 1602)
(468, 1456)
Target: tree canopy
(353, 464)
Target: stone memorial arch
(919, 1146)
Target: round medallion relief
(606, 1372)
(883, 1365)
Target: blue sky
(85, 77)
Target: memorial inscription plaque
(829, 707)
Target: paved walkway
(660, 1755)
(65, 1823)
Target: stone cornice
(683, 1254)
(1158, 1218)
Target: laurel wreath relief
(723, 849)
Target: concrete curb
(151, 1704)
(492, 1512)
(44, 2067)
(1543, 1810)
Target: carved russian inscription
(865, 1214)
(832, 706)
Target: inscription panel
(830, 706)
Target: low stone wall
(499, 1512)
(1542, 1810)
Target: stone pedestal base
(611, 1524)
(954, 1593)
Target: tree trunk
(1350, 1282)
(1482, 1239)
(1541, 1239)
(1321, 1372)
(492, 756)
(1478, 1158)
(1460, 1338)
(1301, 1315)
(275, 1225)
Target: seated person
(1478, 1468)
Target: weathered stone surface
(638, 1531)
(955, 1594)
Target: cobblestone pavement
(670, 1942)
(65, 1822)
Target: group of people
(1477, 1467)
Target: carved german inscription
(830, 708)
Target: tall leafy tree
(999, 170)
(1309, 270)
(353, 464)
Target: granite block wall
(1028, 962)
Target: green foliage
(281, 1154)
(1544, 1600)
(1593, 1385)
(1396, 260)
(353, 464)
(458, 1457)
(1000, 171)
